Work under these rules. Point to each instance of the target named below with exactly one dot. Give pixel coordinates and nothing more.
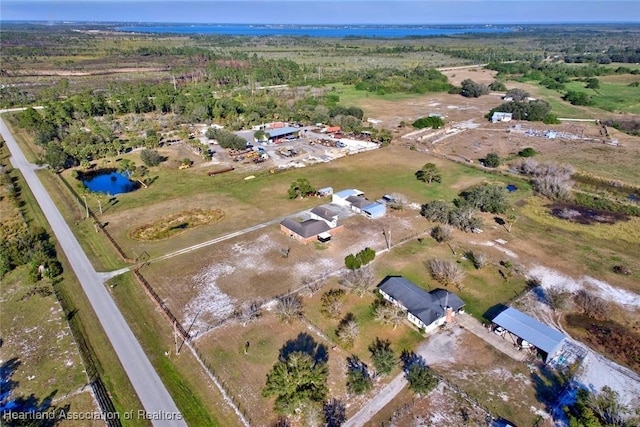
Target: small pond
(111, 183)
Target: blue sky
(325, 12)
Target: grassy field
(613, 97)
(36, 332)
(246, 203)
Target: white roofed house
(426, 310)
(326, 215)
(340, 198)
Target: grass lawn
(482, 289)
(245, 375)
(36, 334)
(246, 203)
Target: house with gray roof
(320, 226)
(426, 310)
(325, 214)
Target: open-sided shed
(543, 337)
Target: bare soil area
(205, 286)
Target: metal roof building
(529, 329)
(278, 132)
(375, 210)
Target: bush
(497, 86)
(150, 157)
(471, 89)
(446, 272)
(478, 259)
(527, 152)
(428, 122)
(437, 211)
(578, 98)
(518, 94)
(441, 233)
(487, 198)
(492, 160)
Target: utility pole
(86, 207)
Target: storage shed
(523, 327)
(375, 210)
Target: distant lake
(383, 31)
(111, 183)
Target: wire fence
(108, 410)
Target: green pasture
(350, 96)
(613, 97)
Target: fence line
(108, 410)
(222, 387)
(149, 290)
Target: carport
(523, 327)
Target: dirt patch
(584, 215)
(477, 74)
(177, 223)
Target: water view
(376, 31)
(111, 183)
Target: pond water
(110, 183)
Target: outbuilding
(501, 117)
(375, 210)
(525, 331)
(340, 198)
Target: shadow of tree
(306, 344)
(10, 403)
(553, 389)
(493, 311)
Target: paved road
(152, 393)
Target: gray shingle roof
(358, 201)
(325, 213)
(305, 229)
(426, 306)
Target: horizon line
(66, 21)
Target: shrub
(471, 89)
(445, 272)
(150, 157)
(441, 233)
(428, 122)
(478, 259)
(492, 160)
(527, 152)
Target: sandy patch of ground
(477, 74)
(218, 278)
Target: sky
(325, 12)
